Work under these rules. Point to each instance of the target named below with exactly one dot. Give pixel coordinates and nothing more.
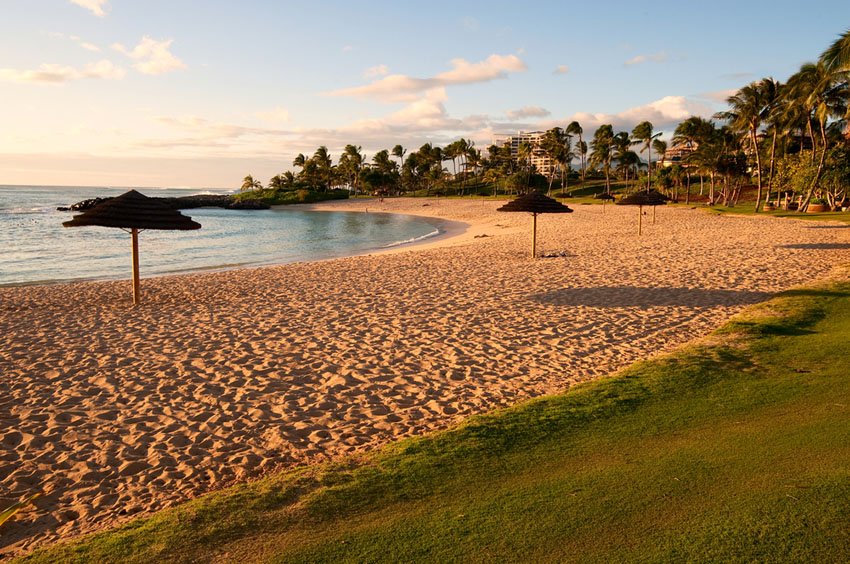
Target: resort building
(677, 153)
(539, 159)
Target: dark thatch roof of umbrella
(651, 198)
(535, 202)
(604, 196)
(133, 210)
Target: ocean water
(36, 249)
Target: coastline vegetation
(781, 145)
(733, 448)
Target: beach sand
(219, 377)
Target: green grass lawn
(731, 450)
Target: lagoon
(36, 249)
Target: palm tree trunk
(770, 174)
(758, 165)
(816, 179)
(581, 158)
(711, 188)
(812, 137)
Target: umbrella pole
(136, 290)
(640, 219)
(534, 237)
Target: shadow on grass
(631, 296)
(767, 329)
(817, 293)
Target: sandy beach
(223, 376)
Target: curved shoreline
(218, 377)
(446, 229)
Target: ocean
(36, 249)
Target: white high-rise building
(539, 159)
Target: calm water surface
(35, 248)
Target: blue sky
(201, 93)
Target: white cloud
(348, 49)
(154, 56)
(399, 87)
(664, 113)
(719, 95)
(85, 44)
(659, 57)
(276, 115)
(527, 112)
(378, 70)
(95, 6)
(57, 74)
(209, 130)
(192, 136)
(491, 68)
(561, 69)
(76, 39)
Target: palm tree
(473, 158)
(429, 164)
(299, 161)
(398, 152)
(324, 166)
(382, 162)
(748, 109)
(774, 93)
(692, 133)
(276, 183)
(814, 87)
(580, 151)
(248, 183)
(627, 161)
(452, 152)
(660, 148)
(642, 133)
(351, 165)
(556, 144)
(600, 155)
(574, 128)
(620, 145)
(464, 148)
(837, 56)
(523, 156)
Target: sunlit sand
(220, 377)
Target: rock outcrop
(183, 203)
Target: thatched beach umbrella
(134, 212)
(535, 203)
(652, 198)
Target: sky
(200, 93)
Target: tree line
(786, 140)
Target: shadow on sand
(631, 296)
(828, 227)
(820, 246)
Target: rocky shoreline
(183, 203)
